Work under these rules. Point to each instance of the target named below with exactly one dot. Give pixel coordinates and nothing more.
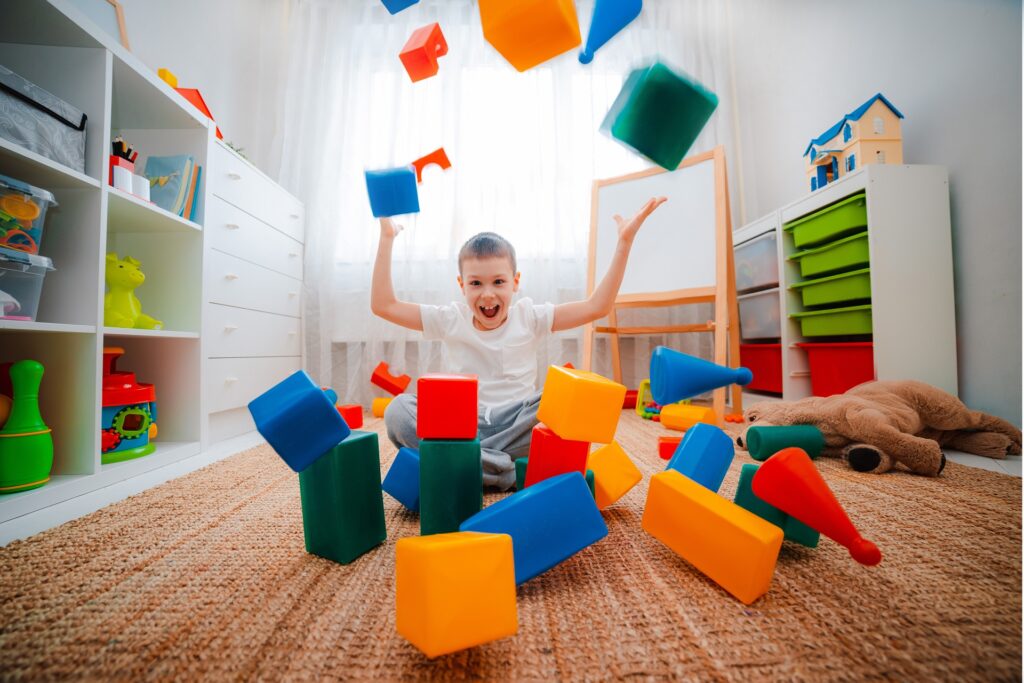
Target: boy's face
(488, 285)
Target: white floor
(1011, 465)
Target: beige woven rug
(206, 577)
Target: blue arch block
(403, 479)
(549, 522)
(392, 191)
(298, 420)
(704, 455)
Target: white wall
(953, 68)
(229, 49)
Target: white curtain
(524, 148)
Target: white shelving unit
(52, 44)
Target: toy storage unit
(756, 256)
(865, 283)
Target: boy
(493, 338)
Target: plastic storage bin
(759, 315)
(40, 121)
(837, 220)
(21, 283)
(834, 322)
(765, 361)
(757, 263)
(845, 254)
(22, 212)
(838, 367)
(836, 289)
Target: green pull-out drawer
(845, 254)
(835, 321)
(839, 219)
(836, 289)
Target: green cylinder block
(520, 473)
(342, 502)
(451, 484)
(590, 482)
(764, 442)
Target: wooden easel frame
(725, 325)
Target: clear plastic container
(759, 315)
(757, 263)
(22, 213)
(21, 283)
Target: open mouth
(490, 311)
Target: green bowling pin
(26, 445)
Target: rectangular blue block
(396, 6)
(392, 191)
(549, 522)
(704, 455)
(298, 420)
(403, 479)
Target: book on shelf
(195, 193)
(169, 177)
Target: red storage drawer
(765, 361)
(838, 366)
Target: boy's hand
(389, 229)
(628, 229)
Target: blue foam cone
(675, 376)
(610, 17)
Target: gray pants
(504, 432)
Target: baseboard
(73, 508)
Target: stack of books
(174, 183)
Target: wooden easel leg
(588, 346)
(613, 322)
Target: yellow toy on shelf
(121, 308)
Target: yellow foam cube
(530, 32)
(581, 406)
(733, 547)
(614, 474)
(379, 405)
(454, 591)
(681, 416)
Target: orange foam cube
(581, 406)
(733, 547)
(681, 416)
(379, 405)
(419, 56)
(667, 446)
(614, 474)
(530, 32)
(454, 591)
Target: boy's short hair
(486, 245)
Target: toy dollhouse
(870, 134)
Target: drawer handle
(231, 226)
(235, 176)
(293, 215)
(292, 254)
(230, 328)
(229, 380)
(231, 276)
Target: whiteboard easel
(682, 255)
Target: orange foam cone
(789, 481)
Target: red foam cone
(789, 481)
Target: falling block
(704, 455)
(789, 481)
(589, 477)
(676, 375)
(396, 6)
(451, 484)
(530, 32)
(658, 114)
(581, 406)
(764, 442)
(614, 474)
(521, 464)
(403, 478)
(298, 420)
(610, 17)
(379, 405)
(733, 547)
(393, 384)
(551, 455)
(681, 416)
(420, 53)
(435, 158)
(352, 413)
(667, 446)
(548, 522)
(332, 395)
(392, 191)
(342, 505)
(792, 529)
(454, 591)
(446, 406)
(167, 77)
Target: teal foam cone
(610, 17)
(676, 375)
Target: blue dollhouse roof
(852, 116)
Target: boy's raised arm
(383, 302)
(576, 313)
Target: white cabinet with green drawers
(867, 258)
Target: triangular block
(676, 375)
(610, 17)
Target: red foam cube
(352, 414)
(392, 384)
(551, 455)
(667, 446)
(630, 400)
(446, 407)
(421, 51)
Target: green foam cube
(451, 484)
(520, 473)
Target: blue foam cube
(392, 191)
(298, 420)
(396, 6)
(704, 455)
(549, 522)
(403, 479)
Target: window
(847, 133)
(878, 125)
(851, 163)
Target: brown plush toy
(878, 424)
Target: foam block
(667, 446)
(764, 442)
(392, 191)
(451, 484)
(704, 455)
(352, 414)
(549, 522)
(420, 53)
(614, 474)
(610, 17)
(551, 455)
(379, 405)
(446, 406)
(680, 416)
(393, 384)
(396, 6)
(530, 32)
(581, 406)
(521, 464)
(792, 529)
(403, 478)
(676, 375)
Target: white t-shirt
(504, 360)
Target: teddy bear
(878, 424)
